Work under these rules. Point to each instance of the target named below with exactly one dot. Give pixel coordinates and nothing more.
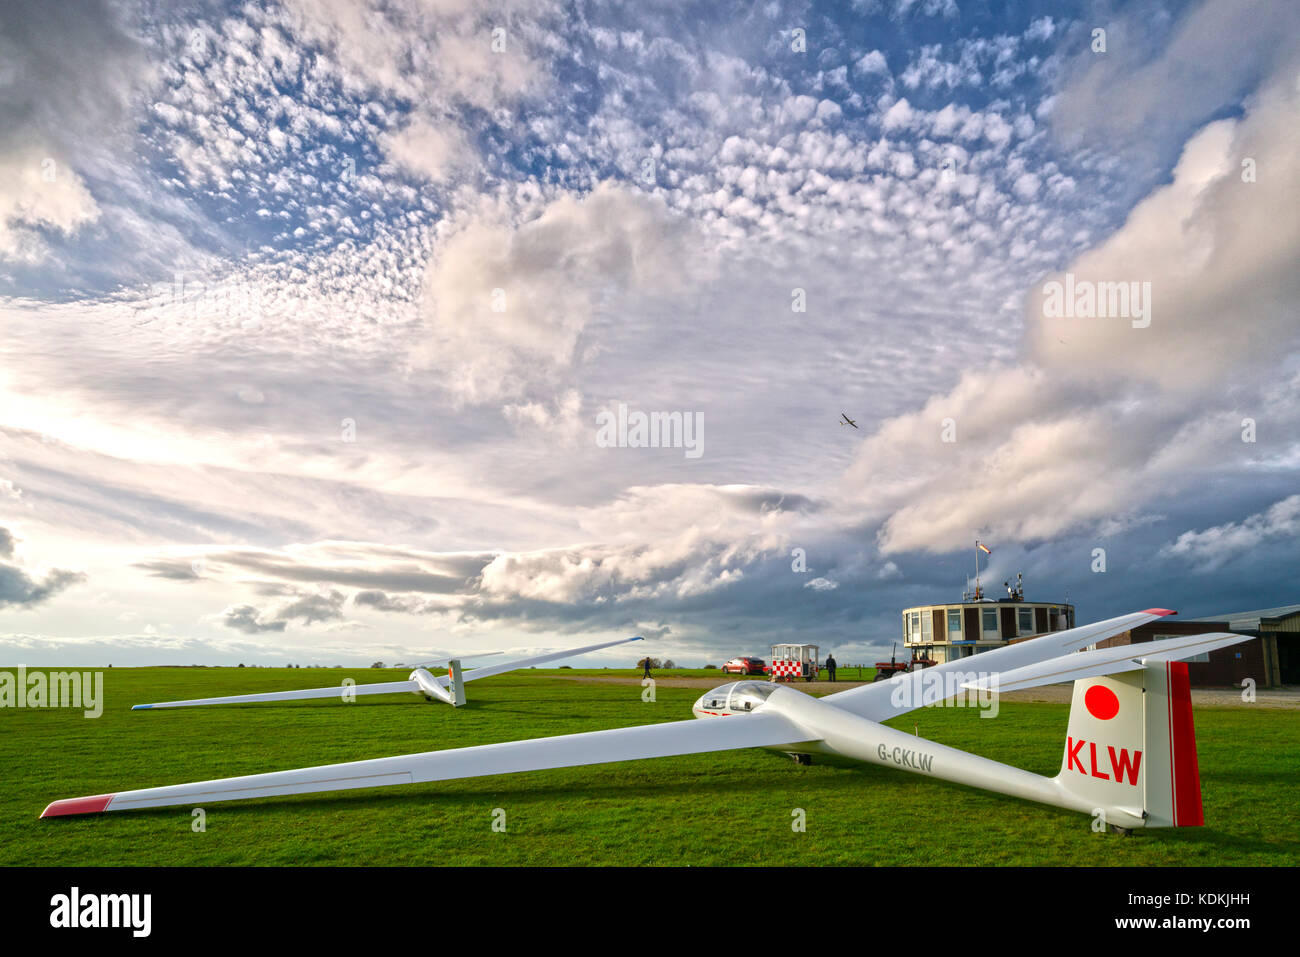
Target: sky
(320, 319)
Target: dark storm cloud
(17, 588)
(245, 618)
(412, 575)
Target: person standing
(830, 665)
(646, 661)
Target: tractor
(887, 669)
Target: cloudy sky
(312, 312)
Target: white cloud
(1135, 99)
(435, 151)
(900, 116)
(450, 43)
(873, 62)
(39, 190)
(561, 421)
(1219, 259)
(889, 572)
(1040, 30)
(1215, 546)
(505, 306)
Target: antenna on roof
(978, 594)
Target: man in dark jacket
(830, 666)
(646, 662)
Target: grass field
(732, 808)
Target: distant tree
(710, 667)
(377, 664)
(241, 664)
(669, 663)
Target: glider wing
(338, 691)
(693, 736)
(889, 699)
(499, 669)
(1104, 661)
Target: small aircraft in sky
(1129, 752)
(847, 420)
(449, 687)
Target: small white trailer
(790, 661)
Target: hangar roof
(1249, 620)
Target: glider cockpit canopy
(739, 697)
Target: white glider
(1130, 748)
(449, 687)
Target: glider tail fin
(456, 682)
(1131, 745)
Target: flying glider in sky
(1130, 748)
(847, 420)
(449, 687)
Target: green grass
(732, 808)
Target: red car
(744, 665)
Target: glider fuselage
(832, 730)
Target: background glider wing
(442, 661)
(338, 691)
(888, 699)
(500, 669)
(693, 736)
(1104, 661)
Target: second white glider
(449, 687)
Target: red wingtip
(1159, 611)
(86, 805)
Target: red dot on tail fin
(1101, 702)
